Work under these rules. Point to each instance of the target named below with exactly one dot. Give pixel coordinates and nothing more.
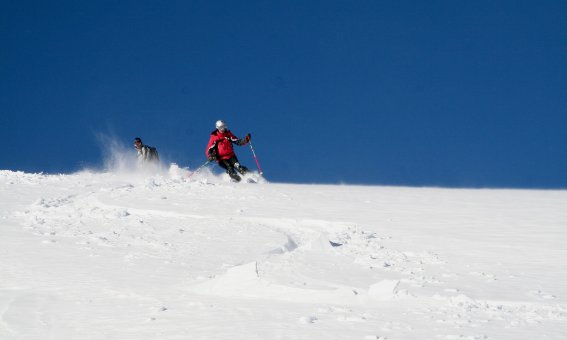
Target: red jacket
(221, 142)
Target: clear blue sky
(443, 93)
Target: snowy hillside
(118, 256)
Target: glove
(248, 137)
(212, 156)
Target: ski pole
(199, 168)
(255, 158)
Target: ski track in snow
(338, 273)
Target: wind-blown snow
(167, 256)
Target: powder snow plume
(122, 158)
(117, 157)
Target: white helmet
(221, 125)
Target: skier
(146, 153)
(220, 149)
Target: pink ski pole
(256, 158)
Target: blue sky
(421, 93)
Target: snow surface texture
(168, 256)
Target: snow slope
(117, 256)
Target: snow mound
(245, 282)
(384, 290)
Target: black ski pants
(228, 164)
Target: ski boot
(233, 175)
(241, 169)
